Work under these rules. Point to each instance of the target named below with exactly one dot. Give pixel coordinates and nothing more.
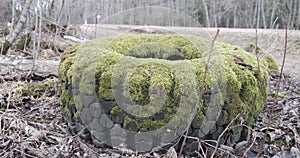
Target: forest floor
(31, 124)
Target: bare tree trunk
(298, 22)
(18, 29)
(20, 23)
(258, 15)
(27, 32)
(40, 12)
(227, 23)
(206, 13)
(234, 16)
(58, 16)
(254, 21)
(273, 13)
(214, 14)
(249, 13)
(263, 13)
(13, 8)
(294, 14)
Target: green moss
(51, 26)
(103, 75)
(155, 46)
(142, 65)
(129, 123)
(23, 42)
(278, 142)
(34, 90)
(144, 86)
(116, 110)
(78, 102)
(148, 124)
(66, 61)
(4, 47)
(145, 80)
(297, 92)
(64, 95)
(272, 64)
(66, 112)
(246, 86)
(77, 116)
(280, 95)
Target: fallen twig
(224, 131)
(254, 139)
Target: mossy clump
(156, 74)
(4, 47)
(23, 42)
(272, 64)
(37, 90)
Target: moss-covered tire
(138, 91)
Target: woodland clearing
(32, 124)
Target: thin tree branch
(224, 131)
(284, 53)
(201, 93)
(20, 23)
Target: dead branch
(201, 93)
(224, 131)
(285, 51)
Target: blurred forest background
(207, 13)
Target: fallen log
(12, 67)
